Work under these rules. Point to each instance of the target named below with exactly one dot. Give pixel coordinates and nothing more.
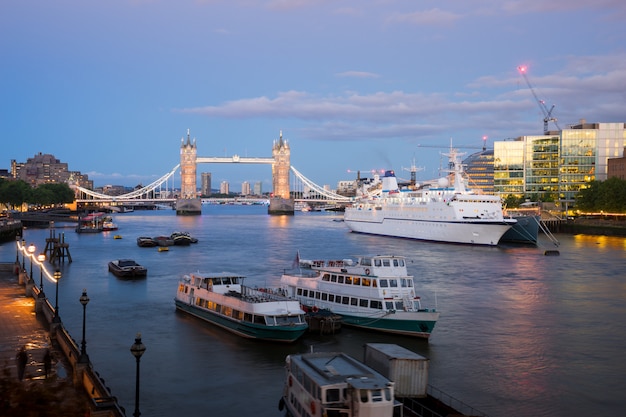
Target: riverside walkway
(65, 385)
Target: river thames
(520, 333)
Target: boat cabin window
(331, 298)
(389, 305)
(376, 304)
(366, 282)
(259, 319)
(332, 395)
(305, 293)
(399, 305)
(349, 280)
(366, 262)
(326, 277)
(340, 279)
(403, 282)
(363, 302)
(356, 281)
(354, 301)
(386, 262)
(377, 262)
(324, 296)
(286, 320)
(346, 300)
(364, 395)
(333, 278)
(393, 282)
(384, 283)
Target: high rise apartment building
(205, 183)
(224, 187)
(245, 188)
(258, 188)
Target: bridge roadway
(234, 159)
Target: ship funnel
(390, 183)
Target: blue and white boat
(371, 292)
(222, 299)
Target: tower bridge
(187, 202)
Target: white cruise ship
(442, 213)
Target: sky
(111, 87)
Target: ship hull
(376, 222)
(526, 230)
(243, 329)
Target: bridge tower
(281, 203)
(188, 203)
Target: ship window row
(368, 282)
(282, 320)
(389, 305)
(339, 299)
(382, 262)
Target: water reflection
(520, 333)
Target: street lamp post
(41, 258)
(23, 255)
(137, 349)
(84, 299)
(57, 278)
(31, 251)
(17, 250)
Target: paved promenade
(20, 327)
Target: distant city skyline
(112, 87)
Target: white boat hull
(402, 224)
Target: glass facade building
(557, 166)
(479, 171)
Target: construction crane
(547, 114)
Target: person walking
(22, 359)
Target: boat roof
(216, 274)
(335, 367)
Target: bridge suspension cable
(319, 190)
(135, 193)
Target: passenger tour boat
(223, 300)
(373, 292)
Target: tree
(14, 193)
(609, 196)
(53, 193)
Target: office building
(555, 167)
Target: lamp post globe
(41, 258)
(57, 278)
(84, 299)
(137, 349)
(31, 251)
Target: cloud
(432, 17)
(585, 87)
(358, 74)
